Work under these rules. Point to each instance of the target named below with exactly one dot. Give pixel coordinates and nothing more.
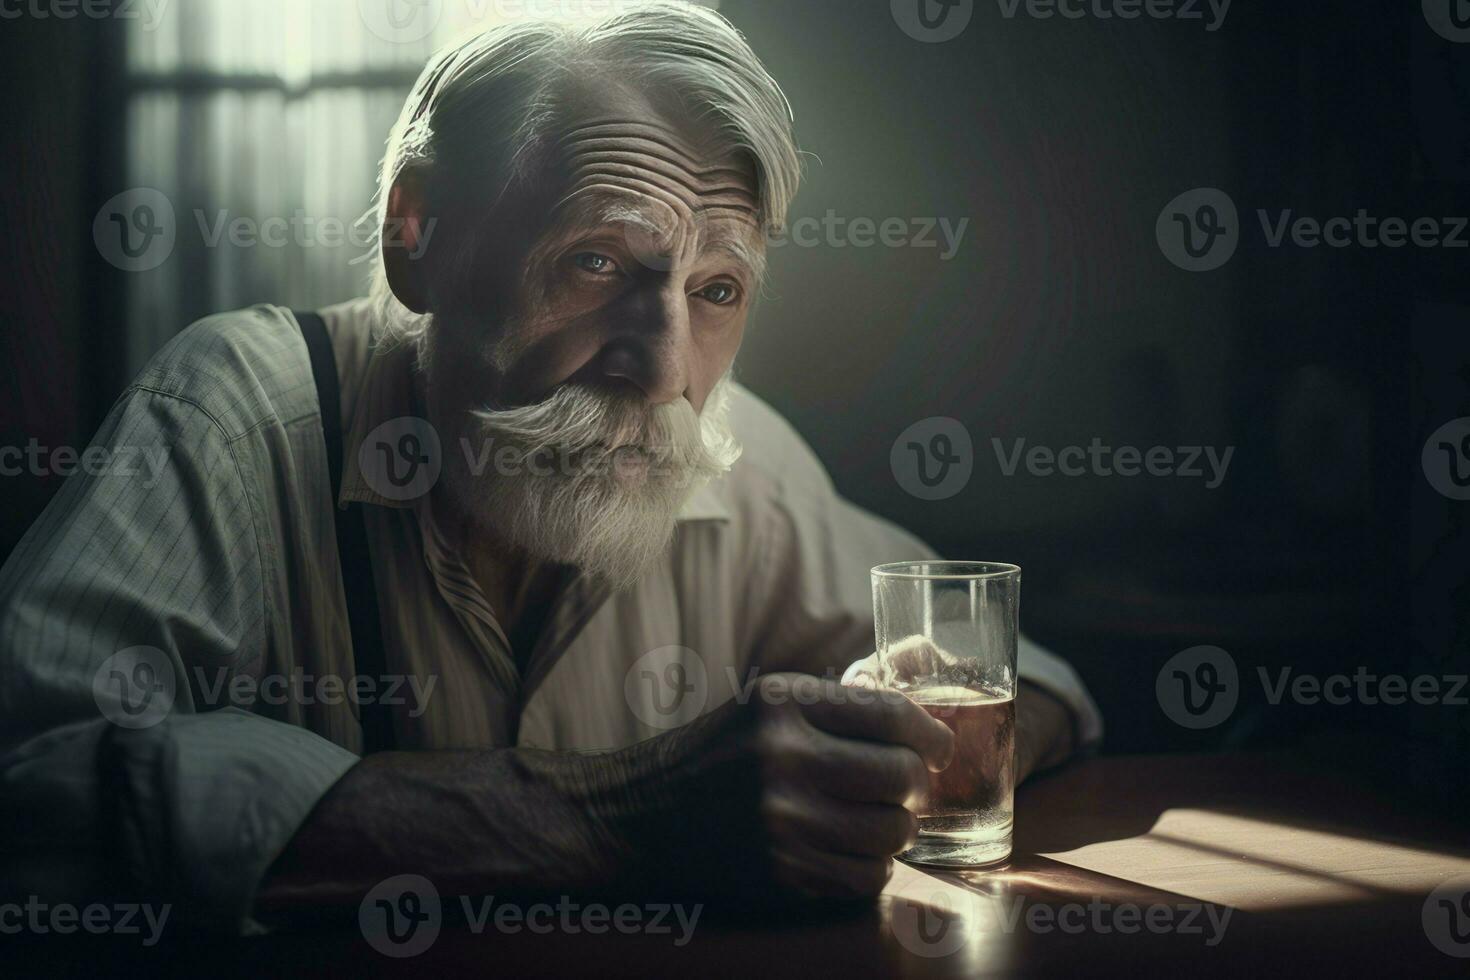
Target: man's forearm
(504, 819)
(1046, 730)
(461, 818)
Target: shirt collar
(388, 394)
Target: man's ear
(407, 228)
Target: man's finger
(881, 716)
(903, 662)
(872, 830)
(862, 673)
(865, 772)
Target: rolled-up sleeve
(146, 569)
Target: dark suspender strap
(324, 373)
(352, 543)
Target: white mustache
(592, 425)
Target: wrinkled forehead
(649, 156)
(619, 154)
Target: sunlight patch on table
(1257, 865)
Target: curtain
(263, 125)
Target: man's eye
(720, 293)
(595, 262)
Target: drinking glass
(946, 637)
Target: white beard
(592, 479)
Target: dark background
(1059, 320)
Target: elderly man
(535, 494)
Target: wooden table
(1234, 866)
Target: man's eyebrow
(752, 259)
(583, 216)
(592, 215)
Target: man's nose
(649, 344)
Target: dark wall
(1060, 320)
(47, 112)
(1057, 319)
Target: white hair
(490, 106)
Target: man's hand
(842, 771)
(807, 788)
(1044, 736)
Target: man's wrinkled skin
(771, 797)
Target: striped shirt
(177, 686)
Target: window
(264, 124)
